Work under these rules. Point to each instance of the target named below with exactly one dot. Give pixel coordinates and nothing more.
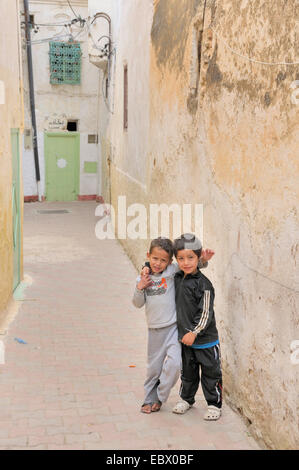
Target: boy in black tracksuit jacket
(197, 330)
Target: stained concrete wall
(220, 128)
(11, 117)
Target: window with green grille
(65, 63)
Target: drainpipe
(31, 93)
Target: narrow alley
(75, 351)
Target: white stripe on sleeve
(205, 313)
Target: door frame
(47, 136)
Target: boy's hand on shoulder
(206, 255)
(189, 338)
(144, 282)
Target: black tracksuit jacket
(194, 295)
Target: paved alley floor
(75, 353)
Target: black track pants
(204, 365)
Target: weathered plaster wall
(11, 116)
(226, 137)
(234, 147)
(252, 143)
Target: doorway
(62, 156)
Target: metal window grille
(65, 63)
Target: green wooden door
(16, 213)
(62, 165)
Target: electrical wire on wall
(220, 38)
(249, 59)
(69, 3)
(72, 30)
(83, 27)
(62, 35)
(105, 51)
(65, 32)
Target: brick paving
(71, 385)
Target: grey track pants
(164, 363)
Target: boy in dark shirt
(155, 290)
(197, 330)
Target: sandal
(146, 408)
(156, 406)
(213, 413)
(181, 407)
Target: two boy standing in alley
(182, 331)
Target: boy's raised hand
(206, 255)
(145, 281)
(145, 270)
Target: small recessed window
(92, 138)
(27, 139)
(72, 126)
(31, 21)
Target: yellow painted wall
(11, 116)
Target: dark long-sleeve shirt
(194, 295)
